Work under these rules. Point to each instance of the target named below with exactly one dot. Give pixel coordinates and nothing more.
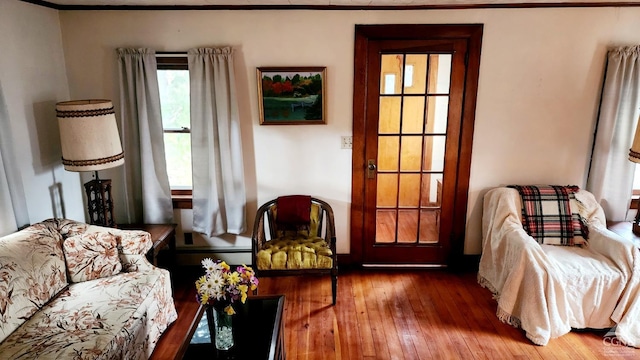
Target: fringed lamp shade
(90, 142)
(89, 135)
(634, 155)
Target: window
(173, 82)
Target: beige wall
(540, 78)
(33, 79)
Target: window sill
(182, 199)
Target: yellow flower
(243, 292)
(229, 310)
(225, 266)
(204, 298)
(233, 278)
(200, 282)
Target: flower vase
(223, 329)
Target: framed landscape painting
(292, 95)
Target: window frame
(181, 198)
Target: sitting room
(336, 179)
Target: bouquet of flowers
(221, 287)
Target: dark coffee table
(258, 332)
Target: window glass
(176, 121)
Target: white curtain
(147, 191)
(218, 177)
(13, 204)
(611, 173)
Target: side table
(162, 235)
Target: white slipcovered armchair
(549, 289)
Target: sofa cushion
(91, 256)
(110, 318)
(32, 271)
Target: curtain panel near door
(147, 195)
(13, 204)
(610, 176)
(219, 198)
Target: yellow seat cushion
(290, 252)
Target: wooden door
(413, 123)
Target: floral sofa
(69, 290)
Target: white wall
(540, 79)
(33, 79)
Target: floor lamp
(90, 142)
(634, 156)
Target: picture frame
(292, 95)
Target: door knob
(371, 169)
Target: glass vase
(223, 329)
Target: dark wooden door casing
(472, 34)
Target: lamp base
(99, 202)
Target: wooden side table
(162, 235)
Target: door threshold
(405, 266)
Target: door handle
(371, 169)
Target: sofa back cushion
(91, 256)
(32, 271)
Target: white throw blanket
(547, 289)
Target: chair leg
(334, 287)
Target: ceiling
(62, 4)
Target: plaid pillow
(547, 214)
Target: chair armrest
(505, 243)
(613, 246)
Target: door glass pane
(439, 73)
(389, 115)
(429, 226)
(411, 155)
(412, 127)
(407, 226)
(434, 153)
(385, 226)
(431, 191)
(387, 190)
(409, 190)
(437, 114)
(412, 115)
(391, 74)
(388, 149)
(415, 76)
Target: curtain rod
(171, 53)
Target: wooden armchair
(295, 235)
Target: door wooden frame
(472, 33)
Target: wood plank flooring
(424, 314)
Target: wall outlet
(346, 142)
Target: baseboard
(192, 256)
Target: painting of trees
(291, 95)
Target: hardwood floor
(423, 314)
